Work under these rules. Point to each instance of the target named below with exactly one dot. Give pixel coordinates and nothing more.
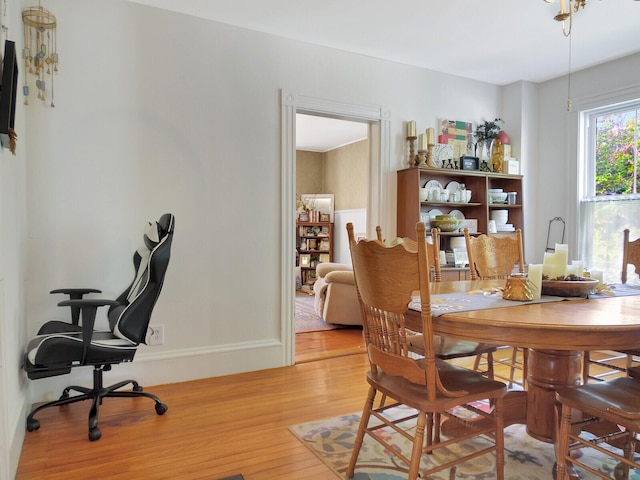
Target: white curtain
(603, 220)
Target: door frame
(378, 119)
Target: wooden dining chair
(610, 363)
(605, 406)
(386, 277)
(445, 348)
(433, 250)
(492, 257)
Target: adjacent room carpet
(306, 318)
(525, 458)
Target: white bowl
(423, 194)
(500, 216)
(498, 197)
(468, 196)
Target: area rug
(525, 458)
(306, 318)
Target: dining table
(555, 330)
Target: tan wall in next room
(343, 171)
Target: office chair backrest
(130, 319)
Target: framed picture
(325, 217)
(305, 260)
(460, 257)
(469, 163)
(324, 258)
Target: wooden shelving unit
(314, 245)
(409, 206)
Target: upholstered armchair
(336, 299)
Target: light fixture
(566, 13)
(40, 50)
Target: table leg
(549, 370)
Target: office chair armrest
(88, 307)
(75, 294)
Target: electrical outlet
(155, 335)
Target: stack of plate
(507, 227)
(500, 217)
(458, 243)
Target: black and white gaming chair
(61, 346)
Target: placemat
(442, 303)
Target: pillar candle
(549, 265)
(535, 277)
(579, 267)
(422, 142)
(598, 275)
(411, 129)
(430, 136)
(572, 270)
(562, 259)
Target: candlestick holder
(412, 153)
(429, 160)
(422, 158)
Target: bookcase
(411, 209)
(314, 245)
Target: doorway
(332, 177)
(379, 141)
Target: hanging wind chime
(40, 52)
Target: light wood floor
(214, 427)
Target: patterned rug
(306, 318)
(525, 458)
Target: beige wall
(346, 174)
(343, 171)
(309, 172)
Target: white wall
(13, 384)
(357, 216)
(554, 169)
(173, 113)
(160, 112)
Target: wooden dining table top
(574, 324)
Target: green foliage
(616, 169)
(488, 130)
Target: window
(609, 198)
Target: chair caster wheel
(33, 424)
(94, 434)
(161, 408)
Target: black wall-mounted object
(8, 90)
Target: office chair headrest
(152, 235)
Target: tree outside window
(611, 201)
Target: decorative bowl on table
(580, 287)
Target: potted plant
(485, 134)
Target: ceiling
(495, 41)
(321, 134)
